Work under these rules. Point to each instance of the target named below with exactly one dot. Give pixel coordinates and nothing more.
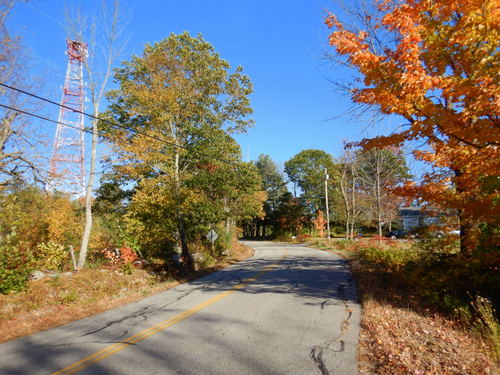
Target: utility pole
(327, 177)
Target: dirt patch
(51, 302)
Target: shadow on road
(317, 279)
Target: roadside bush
(283, 236)
(392, 258)
(23, 215)
(437, 279)
(345, 245)
(487, 322)
(50, 255)
(303, 237)
(224, 241)
(15, 268)
(123, 255)
(433, 242)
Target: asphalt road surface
(287, 310)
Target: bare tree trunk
(343, 190)
(96, 92)
(88, 195)
(185, 254)
(378, 197)
(353, 200)
(181, 229)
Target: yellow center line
(142, 335)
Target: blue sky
(280, 44)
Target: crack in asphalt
(323, 304)
(317, 352)
(145, 312)
(142, 313)
(205, 286)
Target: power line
(62, 123)
(100, 119)
(105, 136)
(39, 116)
(88, 114)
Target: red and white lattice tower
(67, 165)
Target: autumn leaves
(435, 64)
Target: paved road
(287, 310)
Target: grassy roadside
(403, 334)
(51, 302)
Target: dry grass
(396, 340)
(399, 335)
(48, 303)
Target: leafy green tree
(273, 183)
(307, 171)
(179, 102)
(292, 216)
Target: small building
(411, 218)
(415, 217)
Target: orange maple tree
(440, 72)
(319, 223)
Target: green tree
(179, 102)
(273, 183)
(307, 171)
(292, 216)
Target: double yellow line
(115, 348)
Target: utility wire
(89, 115)
(64, 124)
(105, 136)
(109, 123)
(39, 116)
(99, 119)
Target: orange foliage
(319, 223)
(441, 75)
(123, 255)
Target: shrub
(283, 236)
(487, 322)
(50, 255)
(303, 237)
(346, 245)
(434, 242)
(15, 268)
(391, 258)
(224, 241)
(122, 255)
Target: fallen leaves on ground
(396, 340)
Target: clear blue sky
(280, 44)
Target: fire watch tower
(67, 164)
